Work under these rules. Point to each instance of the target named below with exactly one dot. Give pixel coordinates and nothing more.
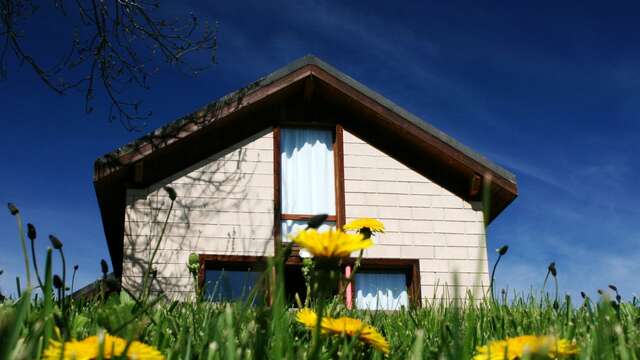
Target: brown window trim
(277, 195)
(338, 161)
(212, 262)
(411, 267)
(302, 217)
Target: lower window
(386, 284)
(231, 278)
(229, 284)
(381, 290)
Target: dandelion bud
(13, 209)
(503, 250)
(584, 296)
(555, 305)
(552, 269)
(194, 259)
(600, 291)
(104, 267)
(316, 221)
(55, 242)
(57, 282)
(75, 267)
(171, 192)
(193, 264)
(618, 298)
(613, 287)
(154, 273)
(31, 231)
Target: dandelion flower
(332, 243)
(372, 224)
(352, 327)
(89, 348)
(517, 347)
(307, 317)
(345, 326)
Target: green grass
(203, 330)
(442, 329)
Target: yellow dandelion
(89, 348)
(517, 347)
(332, 243)
(372, 224)
(352, 327)
(307, 317)
(345, 326)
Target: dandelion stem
(146, 286)
(493, 277)
(315, 342)
(544, 283)
(64, 271)
(35, 263)
(24, 249)
(73, 278)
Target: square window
(381, 290)
(232, 278)
(229, 284)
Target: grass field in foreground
(146, 325)
(203, 330)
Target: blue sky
(551, 92)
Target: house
(252, 167)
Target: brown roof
(308, 89)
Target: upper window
(307, 177)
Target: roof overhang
(305, 91)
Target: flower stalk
(31, 234)
(13, 210)
(501, 252)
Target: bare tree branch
(116, 45)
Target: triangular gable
(305, 91)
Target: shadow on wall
(224, 205)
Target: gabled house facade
(251, 168)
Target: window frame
(410, 267)
(338, 163)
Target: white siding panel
(423, 220)
(224, 206)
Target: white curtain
(381, 291)
(307, 171)
(292, 227)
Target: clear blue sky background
(550, 92)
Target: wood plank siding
(224, 207)
(423, 220)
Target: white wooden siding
(423, 221)
(224, 206)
